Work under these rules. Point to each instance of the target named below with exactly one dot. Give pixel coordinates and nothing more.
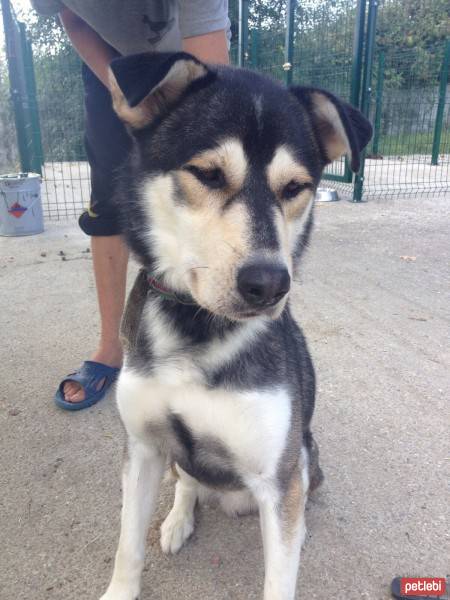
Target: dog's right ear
(340, 128)
(145, 85)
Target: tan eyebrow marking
(295, 208)
(229, 156)
(284, 168)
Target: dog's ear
(340, 128)
(144, 85)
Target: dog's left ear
(145, 85)
(340, 128)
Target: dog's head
(224, 168)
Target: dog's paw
(175, 530)
(120, 593)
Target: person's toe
(73, 392)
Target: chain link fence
(410, 150)
(66, 182)
(354, 48)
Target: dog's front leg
(142, 474)
(283, 532)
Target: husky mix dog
(217, 379)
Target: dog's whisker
(193, 268)
(233, 248)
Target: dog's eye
(293, 188)
(213, 178)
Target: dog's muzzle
(262, 285)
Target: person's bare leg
(110, 259)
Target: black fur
(139, 74)
(205, 459)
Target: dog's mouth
(271, 310)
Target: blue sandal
(89, 376)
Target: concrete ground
(374, 303)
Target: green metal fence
(410, 150)
(47, 104)
(66, 179)
(19, 57)
(347, 46)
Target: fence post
(441, 105)
(255, 48)
(366, 89)
(378, 103)
(37, 155)
(243, 32)
(289, 41)
(16, 85)
(358, 44)
(357, 55)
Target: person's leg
(107, 145)
(110, 259)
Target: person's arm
(209, 47)
(94, 51)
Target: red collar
(169, 294)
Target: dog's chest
(219, 436)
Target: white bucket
(20, 204)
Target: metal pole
(37, 159)
(366, 89)
(15, 84)
(289, 41)
(358, 44)
(243, 32)
(441, 105)
(357, 60)
(378, 103)
(255, 48)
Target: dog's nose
(263, 284)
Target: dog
(217, 378)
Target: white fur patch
(164, 338)
(167, 231)
(253, 425)
(297, 227)
(304, 466)
(289, 232)
(222, 351)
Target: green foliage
(406, 24)
(47, 35)
(8, 151)
(59, 89)
(412, 34)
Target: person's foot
(110, 356)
